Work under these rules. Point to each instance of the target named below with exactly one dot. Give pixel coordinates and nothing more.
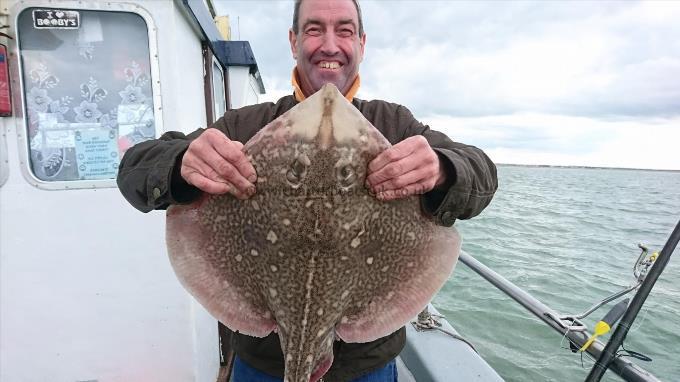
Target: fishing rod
(574, 333)
(608, 354)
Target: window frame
(209, 59)
(18, 92)
(215, 63)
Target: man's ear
(362, 45)
(292, 37)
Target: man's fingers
(392, 172)
(216, 187)
(204, 176)
(199, 174)
(207, 185)
(225, 170)
(390, 155)
(400, 181)
(418, 188)
(218, 159)
(414, 148)
(231, 151)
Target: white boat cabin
(86, 289)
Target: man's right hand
(217, 165)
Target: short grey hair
(296, 15)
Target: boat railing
(604, 354)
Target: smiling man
(327, 40)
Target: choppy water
(569, 237)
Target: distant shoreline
(584, 167)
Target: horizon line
(584, 167)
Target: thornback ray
(312, 255)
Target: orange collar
(300, 96)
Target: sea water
(569, 237)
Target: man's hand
(408, 168)
(215, 164)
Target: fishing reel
(643, 263)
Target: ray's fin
(189, 248)
(406, 292)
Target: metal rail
(608, 355)
(624, 368)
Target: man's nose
(330, 44)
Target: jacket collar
(300, 96)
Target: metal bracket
(575, 325)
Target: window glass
(87, 91)
(218, 91)
(252, 95)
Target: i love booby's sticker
(56, 19)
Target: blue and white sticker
(55, 19)
(96, 153)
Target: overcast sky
(548, 82)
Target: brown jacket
(149, 179)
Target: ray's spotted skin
(312, 254)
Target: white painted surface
(242, 87)
(4, 166)
(86, 289)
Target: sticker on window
(55, 19)
(96, 153)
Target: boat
(86, 290)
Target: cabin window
(218, 91)
(87, 90)
(252, 95)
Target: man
(327, 41)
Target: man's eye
(346, 32)
(313, 31)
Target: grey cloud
(561, 137)
(641, 65)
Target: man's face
(327, 48)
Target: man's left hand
(408, 168)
